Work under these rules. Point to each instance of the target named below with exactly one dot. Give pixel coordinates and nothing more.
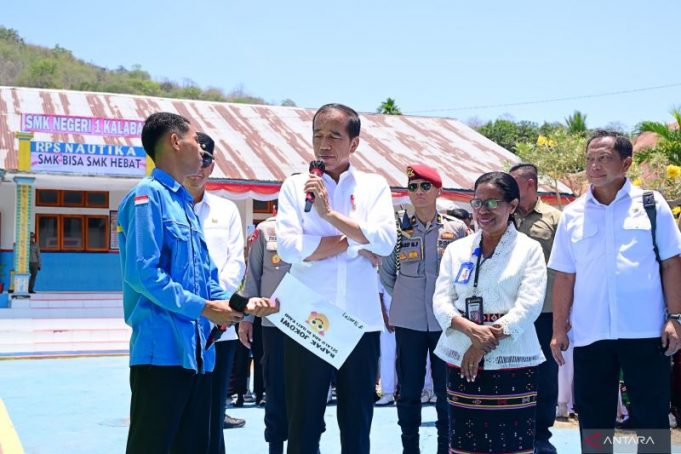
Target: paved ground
(80, 405)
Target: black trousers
(242, 363)
(647, 374)
(276, 421)
(547, 379)
(224, 359)
(307, 383)
(33, 269)
(412, 349)
(169, 410)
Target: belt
(488, 318)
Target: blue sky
(436, 58)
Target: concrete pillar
(24, 226)
(150, 165)
(24, 155)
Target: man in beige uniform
(539, 221)
(409, 275)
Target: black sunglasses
(206, 160)
(425, 186)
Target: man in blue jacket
(170, 295)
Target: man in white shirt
(221, 226)
(331, 250)
(621, 304)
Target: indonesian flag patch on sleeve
(141, 200)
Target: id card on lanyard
(474, 309)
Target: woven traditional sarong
(493, 414)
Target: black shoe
(239, 400)
(544, 447)
(233, 423)
(262, 401)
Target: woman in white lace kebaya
(489, 292)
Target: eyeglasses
(425, 186)
(206, 160)
(489, 203)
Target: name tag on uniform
(464, 274)
(411, 250)
(447, 235)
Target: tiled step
(65, 305)
(21, 337)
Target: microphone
(316, 168)
(236, 302)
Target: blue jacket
(167, 275)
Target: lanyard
(479, 264)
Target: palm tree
(669, 136)
(576, 124)
(388, 107)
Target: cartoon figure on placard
(318, 322)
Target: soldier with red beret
(409, 275)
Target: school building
(67, 158)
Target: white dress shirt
(221, 224)
(511, 282)
(347, 280)
(618, 290)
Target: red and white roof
(258, 146)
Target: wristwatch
(676, 317)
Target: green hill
(28, 65)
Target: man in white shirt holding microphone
(332, 250)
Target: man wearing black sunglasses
(409, 275)
(221, 224)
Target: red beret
(424, 172)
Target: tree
(559, 158)
(617, 126)
(10, 34)
(42, 73)
(507, 133)
(657, 173)
(389, 107)
(576, 123)
(669, 139)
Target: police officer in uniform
(409, 275)
(264, 272)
